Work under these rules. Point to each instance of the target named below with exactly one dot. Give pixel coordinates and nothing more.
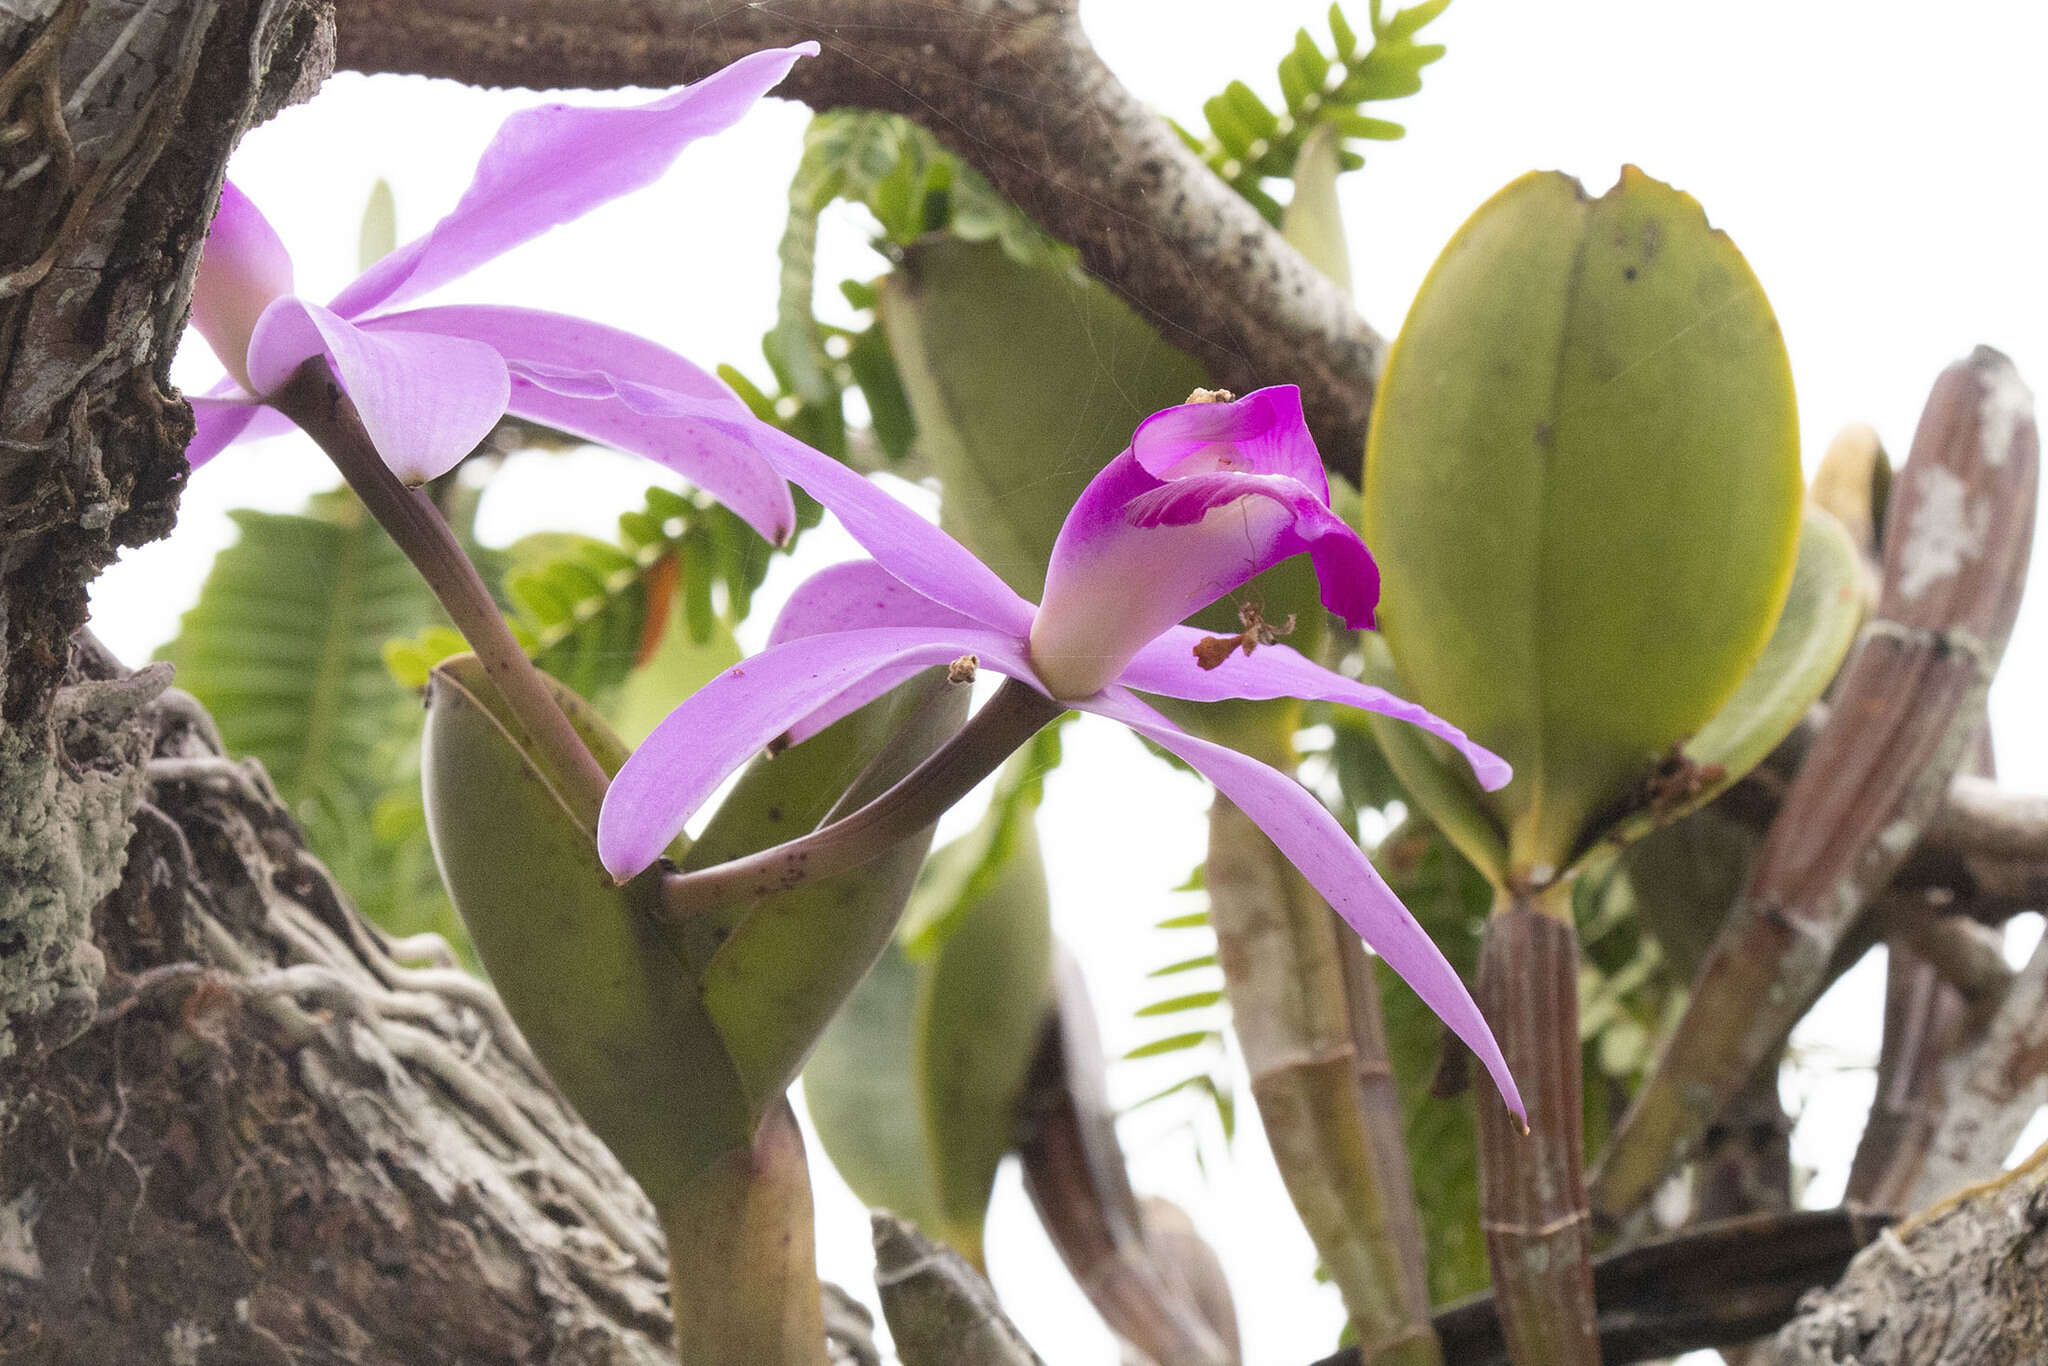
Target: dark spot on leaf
(1546, 439)
(774, 813)
(1629, 274)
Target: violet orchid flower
(430, 383)
(1205, 496)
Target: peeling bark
(1960, 1286)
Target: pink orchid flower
(1206, 496)
(430, 383)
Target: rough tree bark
(1960, 1286)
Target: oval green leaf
(1431, 773)
(1806, 649)
(1583, 486)
(914, 1087)
(586, 972)
(981, 1008)
(776, 971)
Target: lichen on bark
(64, 814)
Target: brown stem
(1976, 818)
(1987, 1091)
(317, 404)
(1926, 1019)
(1906, 707)
(1923, 1023)
(940, 1310)
(1745, 1164)
(1532, 1191)
(1706, 1287)
(1964, 954)
(1380, 1102)
(1075, 1174)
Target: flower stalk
(1015, 714)
(314, 401)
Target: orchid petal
(1168, 667)
(425, 400)
(734, 716)
(242, 268)
(1262, 433)
(561, 341)
(584, 378)
(925, 558)
(1349, 579)
(714, 455)
(1313, 842)
(858, 595)
(554, 163)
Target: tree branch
(1011, 85)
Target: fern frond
(1249, 143)
(590, 611)
(284, 647)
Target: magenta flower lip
(430, 383)
(1206, 496)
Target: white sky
(1880, 165)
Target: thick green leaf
(591, 976)
(914, 1087)
(1431, 772)
(1024, 382)
(775, 972)
(1806, 648)
(378, 234)
(861, 1089)
(1854, 482)
(982, 1001)
(952, 886)
(1583, 488)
